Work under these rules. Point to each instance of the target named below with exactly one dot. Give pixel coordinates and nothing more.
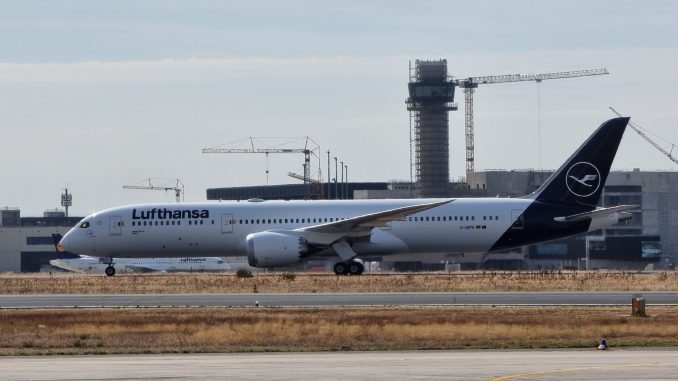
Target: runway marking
(565, 370)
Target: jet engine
(275, 249)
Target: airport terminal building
(26, 243)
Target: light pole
(342, 180)
(336, 174)
(329, 177)
(346, 183)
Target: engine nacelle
(275, 249)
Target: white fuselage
(221, 228)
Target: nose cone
(66, 243)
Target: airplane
(284, 233)
(95, 265)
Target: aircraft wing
(365, 223)
(602, 212)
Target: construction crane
(471, 83)
(643, 133)
(153, 184)
(301, 177)
(269, 145)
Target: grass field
(158, 330)
(305, 282)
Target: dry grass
(282, 329)
(305, 282)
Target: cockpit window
(84, 225)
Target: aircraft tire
(110, 271)
(340, 268)
(356, 268)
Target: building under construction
(431, 97)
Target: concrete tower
(431, 98)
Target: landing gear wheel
(110, 270)
(356, 268)
(340, 268)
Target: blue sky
(98, 94)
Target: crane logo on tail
(582, 179)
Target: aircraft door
(115, 225)
(227, 223)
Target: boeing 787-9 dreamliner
(284, 233)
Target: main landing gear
(350, 264)
(352, 267)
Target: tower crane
(643, 133)
(269, 145)
(300, 177)
(471, 83)
(152, 184)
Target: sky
(95, 95)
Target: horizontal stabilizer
(602, 212)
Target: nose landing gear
(110, 270)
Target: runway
(640, 364)
(336, 299)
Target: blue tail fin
(581, 179)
